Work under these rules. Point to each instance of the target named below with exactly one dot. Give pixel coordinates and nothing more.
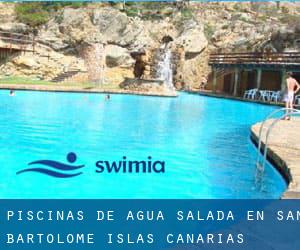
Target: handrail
(224, 59)
(260, 167)
(17, 41)
(14, 33)
(292, 112)
(297, 112)
(254, 53)
(270, 59)
(256, 57)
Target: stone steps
(65, 75)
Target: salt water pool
(203, 141)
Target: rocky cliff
(130, 41)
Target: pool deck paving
(283, 151)
(80, 89)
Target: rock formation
(131, 41)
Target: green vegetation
(208, 31)
(132, 12)
(156, 10)
(239, 7)
(38, 13)
(284, 10)
(29, 81)
(263, 18)
(32, 14)
(246, 20)
(187, 13)
(12, 80)
(225, 27)
(21, 80)
(148, 10)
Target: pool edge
(281, 164)
(61, 89)
(233, 98)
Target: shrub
(208, 31)
(38, 13)
(132, 12)
(32, 14)
(187, 13)
(284, 10)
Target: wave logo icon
(55, 168)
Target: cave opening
(140, 64)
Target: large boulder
(118, 56)
(286, 37)
(52, 39)
(25, 61)
(43, 64)
(152, 87)
(73, 17)
(76, 26)
(14, 27)
(111, 23)
(194, 69)
(136, 36)
(192, 37)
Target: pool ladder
(260, 163)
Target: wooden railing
(255, 58)
(16, 41)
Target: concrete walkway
(284, 151)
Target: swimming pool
(204, 142)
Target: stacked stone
(94, 57)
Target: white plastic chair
(253, 94)
(263, 95)
(275, 96)
(250, 94)
(246, 94)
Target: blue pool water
(204, 142)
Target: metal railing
(11, 42)
(260, 166)
(17, 41)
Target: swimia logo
(61, 170)
(55, 168)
